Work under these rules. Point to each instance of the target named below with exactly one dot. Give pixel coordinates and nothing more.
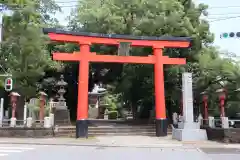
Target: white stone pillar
(25, 114)
(225, 123)
(180, 118)
(200, 119)
(6, 114)
(13, 122)
(187, 98)
(50, 106)
(52, 119)
(211, 122)
(1, 112)
(29, 122)
(47, 122)
(175, 118)
(180, 121)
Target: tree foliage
(24, 51)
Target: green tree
(24, 47)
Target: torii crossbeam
(85, 40)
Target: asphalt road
(50, 152)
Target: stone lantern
(61, 113)
(95, 100)
(61, 100)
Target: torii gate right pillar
(160, 107)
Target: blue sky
(217, 9)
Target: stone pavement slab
(224, 156)
(119, 141)
(69, 148)
(109, 153)
(220, 150)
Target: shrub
(113, 115)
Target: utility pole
(3, 10)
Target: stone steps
(148, 130)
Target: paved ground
(117, 148)
(36, 152)
(14, 150)
(118, 141)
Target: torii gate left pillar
(85, 40)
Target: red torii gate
(85, 40)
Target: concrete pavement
(119, 141)
(114, 147)
(10, 149)
(60, 152)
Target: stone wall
(231, 135)
(26, 132)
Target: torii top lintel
(114, 39)
(84, 39)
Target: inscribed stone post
(187, 98)
(188, 130)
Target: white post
(225, 123)
(200, 119)
(211, 122)
(51, 105)
(25, 114)
(47, 122)
(29, 122)
(52, 119)
(13, 122)
(1, 112)
(6, 114)
(175, 118)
